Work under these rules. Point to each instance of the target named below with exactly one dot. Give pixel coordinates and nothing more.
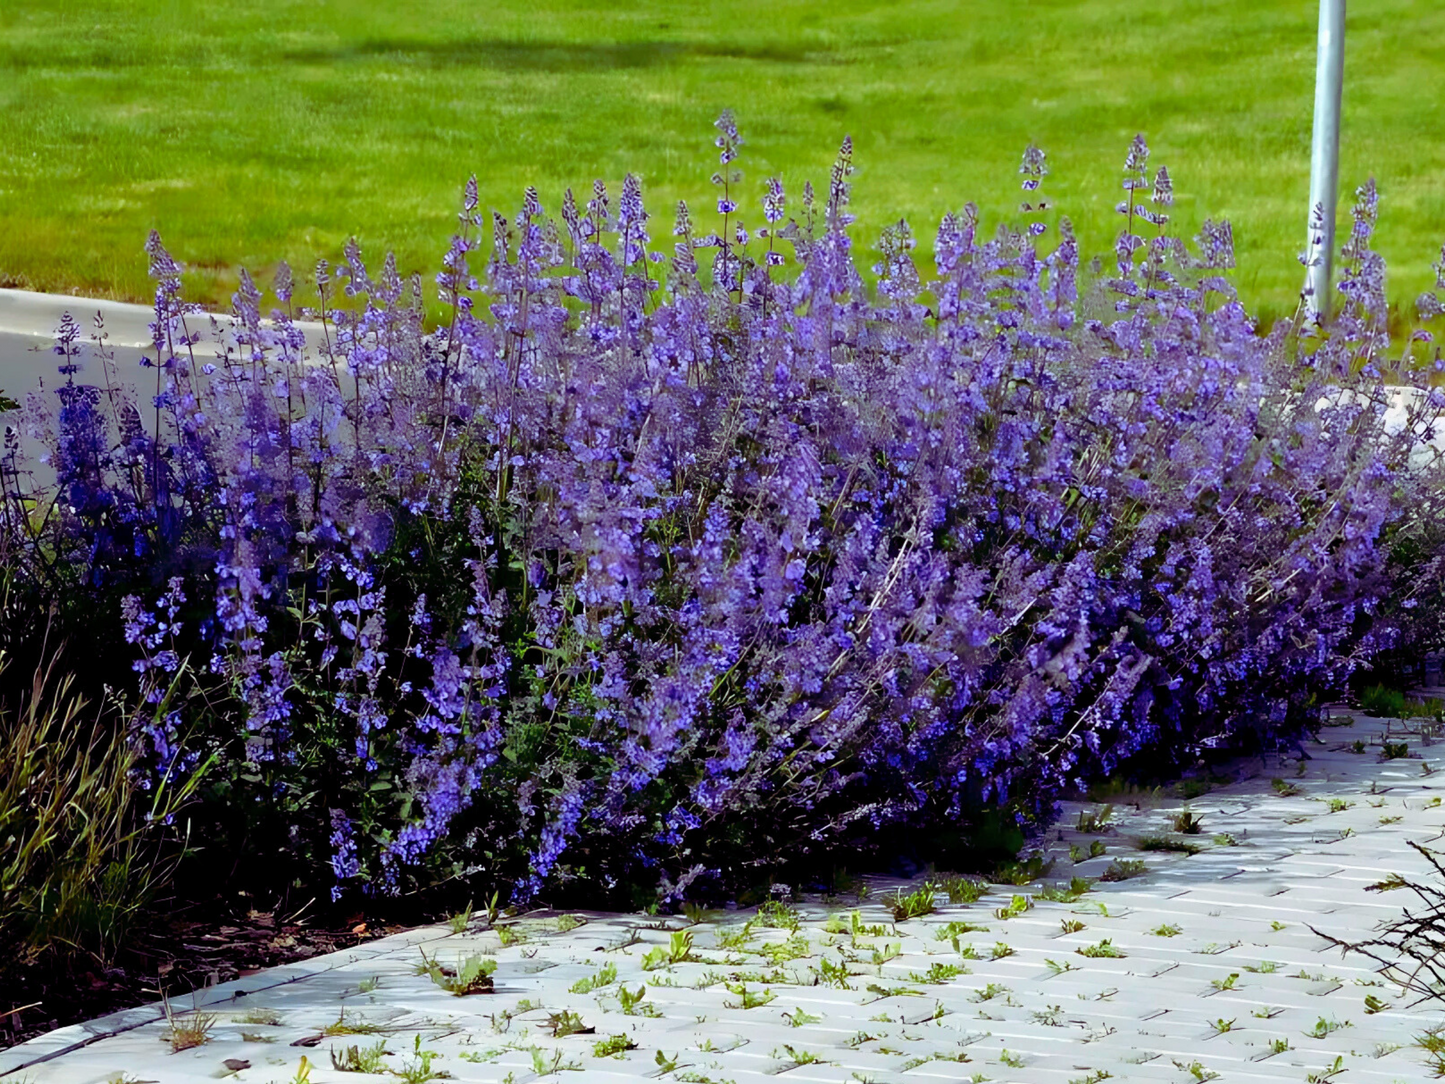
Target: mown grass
(249, 133)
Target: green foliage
(459, 921)
(1023, 871)
(1325, 1026)
(566, 1023)
(632, 1002)
(1166, 843)
(938, 973)
(356, 1059)
(1100, 820)
(1124, 869)
(831, 974)
(1015, 907)
(472, 975)
(83, 850)
(963, 889)
(778, 915)
(1104, 949)
(613, 1046)
(912, 905)
(748, 999)
(1187, 823)
(676, 951)
(604, 976)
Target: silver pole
(1325, 159)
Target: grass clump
(1124, 869)
(1103, 950)
(358, 1059)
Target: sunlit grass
(249, 133)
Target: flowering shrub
(640, 573)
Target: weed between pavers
(1104, 949)
(613, 1046)
(356, 1059)
(604, 976)
(472, 975)
(186, 1032)
(1124, 869)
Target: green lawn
(264, 129)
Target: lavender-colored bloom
(658, 583)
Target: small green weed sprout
(1024, 871)
(1001, 950)
(776, 914)
(1165, 843)
(1015, 907)
(835, 975)
(800, 1057)
(472, 975)
(1224, 839)
(266, 1017)
(1284, 788)
(568, 923)
(677, 950)
(1124, 869)
(1328, 1073)
(1278, 1046)
(1325, 1026)
(1224, 984)
(1103, 950)
(189, 1031)
(1197, 1072)
(734, 937)
(938, 973)
(342, 1026)
(545, 1066)
(1187, 822)
(612, 1046)
(748, 999)
(605, 975)
(963, 889)
(798, 1017)
(565, 1023)
(1168, 929)
(1374, 1004)
(1013, 1061)
(632, 1002)
(1096, 822)
(459, 922)
(951, 931)
(356, 1059)
(1222, 1025)
(1056, 968)
(913, 905)
(418, 1069)
(1071, 925)
(510, 935)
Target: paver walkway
(1218, 975)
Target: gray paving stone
(1244, 970)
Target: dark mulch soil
(198, 947)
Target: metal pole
(1325, 159)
